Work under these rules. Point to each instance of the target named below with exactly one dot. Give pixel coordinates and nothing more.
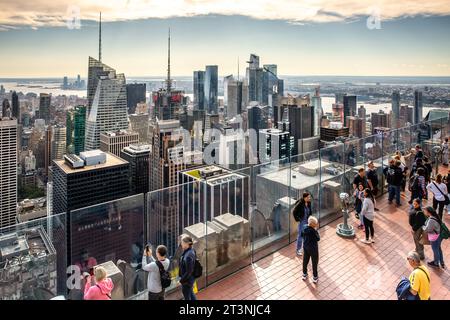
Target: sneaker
(376, 209)
(399, 205)
(315, 279)
(304, 276)
(432, 264)
(299, 252)
(364, 241)
(390, 201)
(442, 266)
(373, 240)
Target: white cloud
(39, 13)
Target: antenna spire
(100, 38)
(168, 81)
(238, 67)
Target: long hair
(370, 195)
(433, 213)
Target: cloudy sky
(311, 37)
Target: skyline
(403, 46)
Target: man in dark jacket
(311, 248)
(417, 221)
(186, 272)
(394, 176)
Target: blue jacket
(187, 261)
(310, 239)
(403, 292)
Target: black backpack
(414, 183)
(166, 280)
(198, 268)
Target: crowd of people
(426, 221)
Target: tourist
(417, 221)
(359, 197)
(360, 178)
(394, 176)
(447, 182)
(311, 248)
(419, 277)
(301, 213)
(154, 269)
(187, 263)
(439, 191)
(368, 214)
(433, 228)
(429, 167)
(102, 288)
(445, 152)
(419, 153)
(372, 179)
(417, 185)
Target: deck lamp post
(437, 150)
(344, 229)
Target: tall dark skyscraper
(211, 89)
(138, 155)
(76, 129)
(136, 93)
(199, 90)
(418, 104)
(256, 122)
(254, 78)
(349, 106)
(395, 109)
(15, 107)
(234, 98)
(44, 107)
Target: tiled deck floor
(348, 269)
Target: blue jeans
(188, 292)
(301, 226)
(437, 251)
(394, 191)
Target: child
(359, 197)
(311, 248)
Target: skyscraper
(418, 104)
(226, 80)
(138, 155)
(316, 102)
(395, 109)
(357, 126)
(349, 106)
(211, 89)
(362, 112)
(254, 78)
(115, 141)
(234, 97)
(256, 121)
(92, 178)
(108, 111)
(47, 149)
(199, 90)
(8, 172)
(44, 107)
(275, 145)
(58, 142)
(166, 159)
(139, 124)
(76, 128)
(6, 109)
(136, 93)
(15, 107)
(380, 120)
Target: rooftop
(111, 161)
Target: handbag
(424, 239)
(446, 199)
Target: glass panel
(110, 233)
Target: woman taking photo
(368, 214)
(433, 228)
(301, 213)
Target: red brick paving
(348, 268)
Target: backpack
(390, 175)
(413, 183)
(166, 280)
(198, 268)
(296, 211)
(445, 233)
(403, 292)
